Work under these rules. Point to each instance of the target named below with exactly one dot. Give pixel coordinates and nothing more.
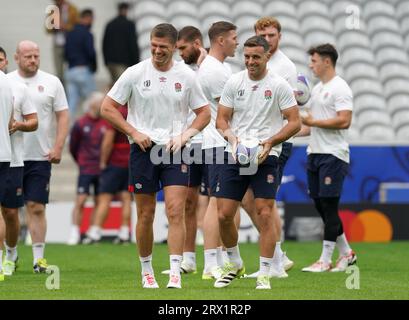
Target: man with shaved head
(42, 147)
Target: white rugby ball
(303, 92)
(248, 151)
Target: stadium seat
(146, 23)
(289, 23)
(365, 85)
(356, 54)
(148, 8)
(144, 39)
(403, 133)
(400, 118)
(145, 53)
(313, 23)
(404, 26)
(312, 7)
(386, 39)
(369, 102)
(179, 7)
(353, 133)
(318, 37)
(393, 70)
(296, 55)
(378, 8)
(180, 21)
(245, 22)
(246, 8)
(359, 70)
(291, 39)
(217, 8)
(402, 9)
(353, 38)
(304, 70)
(382, 23)
(342, 24)
(208, 21)
(396, 86)
(340, 8)
(391, 54)
(277, 8)
(398, 102)
(378, 132)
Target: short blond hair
(265, 22)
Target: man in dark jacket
(120, 43)
(82, 63)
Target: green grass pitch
(108, 271)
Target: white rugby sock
(234, 256)
(190, 258)
(343, 245)
(38, 251)
(210, 256)
(175, 261)
(327, 251)
(277, 257)
(94, 233)
(11, 253)
(146, 264)
(124, 233)
(220, 262)
(265, 266)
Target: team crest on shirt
(268, 94)
(178, 87)
(138, 186)
(147, 83)
(327, 181)
(162, 79)
(40, 88)
(19, 192)
(270, 178)
(87, 129)
(240, 95)
(183, 168)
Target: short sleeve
(227, 97)
(121, 91)
(197, 98)
(27, 107)
(60, 99)
(344, 99)
(285, 96)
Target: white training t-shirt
(213, 75)
(280, 64)
(22, 106)
(158, 102)
(46, 93)
(326, 100)
(192, 116)
(257, 106)
(6, 108)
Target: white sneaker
(344, 261)
(287, 263)
(252, 275)
(74, 238)
(186, 267)
(149, 282)
(280, 274)
(318, 266)
(214, 273)
(175, 281)
(263, 283)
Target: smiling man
(159, 92)
(253, 104)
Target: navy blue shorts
(85, 181)
(283, 158)
(215, 159)
(14, 190)
(4, 171)
(197, 166)
(326, 174)
(233, 185)
(113, 180)
(148, 175)
(36, 181)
